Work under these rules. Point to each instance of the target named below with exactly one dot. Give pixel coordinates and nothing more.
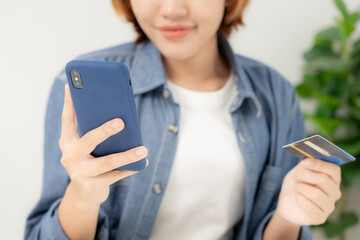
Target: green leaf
(327, 64)
(348, 139)
(355, 112)
(356, 45)
(331, 34)
(346, 28)
(355, 59)
(325, 126)
(354, 99)
(303, 90)
(319, 51)
(352, 148)
(324, 110)
(354, 17)
(350, 175)
(342, 8)
(315, 83)
(345, 221)
(337, 87)
(328, 99)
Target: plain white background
(38, 37)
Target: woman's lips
(174, 32)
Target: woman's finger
(316, 215)
(331, 169)
(68, 120)
(113, 176)
(316, 196)
(110, 162)
(91, 139)
(321, 180)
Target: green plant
(331, 80)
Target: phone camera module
(76, 79)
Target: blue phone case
(106, 94)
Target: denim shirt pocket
(271, 177)
(267, 193)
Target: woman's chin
(175, 54)
(175, 57)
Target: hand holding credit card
(319, 148)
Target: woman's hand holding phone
(90, 176)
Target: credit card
(319, 148)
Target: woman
(213, 124)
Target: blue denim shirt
(265, 117)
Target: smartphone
(101, 91)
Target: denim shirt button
(166, 93)
(157, 188)
(173, 128)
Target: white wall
(38, 37)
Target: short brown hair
(232, 18)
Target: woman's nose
(174, 9)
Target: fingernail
(140, 151)
(115, 124)
(309, 162)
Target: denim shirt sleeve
(292, 129)
(43, 222)
(305, 231)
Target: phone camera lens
(76, 78)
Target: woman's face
(179, 28)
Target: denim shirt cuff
(51, 228)
(304, 234)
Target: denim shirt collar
(149, 72)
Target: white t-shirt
(204, 197)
